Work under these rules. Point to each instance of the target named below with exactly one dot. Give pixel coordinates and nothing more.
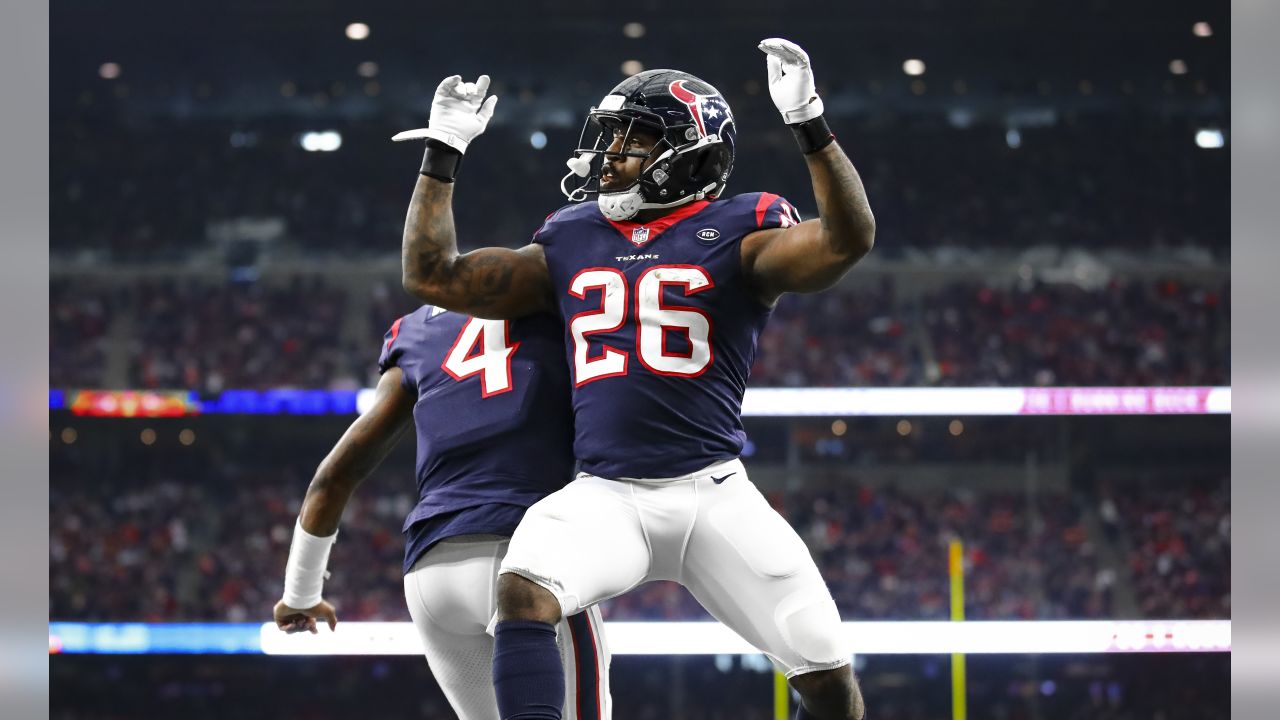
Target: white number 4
(492, 362)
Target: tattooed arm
(494, 283)
(815, 254)
(362, 448)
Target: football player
(490, 402)
(664, 284)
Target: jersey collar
(641, 234)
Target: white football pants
(711, 531)
(452, 596)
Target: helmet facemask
(687, 165)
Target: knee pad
(810, 625)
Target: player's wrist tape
(813, 135)
(440, 161)
(304, 573)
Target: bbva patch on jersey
(707, 236)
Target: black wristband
(813, 135)
(440, 161)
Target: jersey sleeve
(539, 235)
(392, 348)
(543, 235)
(773, 211)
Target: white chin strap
(619, 206)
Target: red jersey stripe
(395, 330)
(762, 206)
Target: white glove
(459, 113)
(791, 81)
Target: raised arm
(812, 255)
(494, 283)
(360, 450)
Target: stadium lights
(367, 69)
(633, 30)
(631, 67)
(914, 66)
(538, 139)
(1178, 67)
(357, 31)
(1210, 138)
(324, 141)
(1013, 138)
(1202, 29)
(109, 71)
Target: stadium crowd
(209, 543)
(240, 335)
(1179, 545)
(209, 337)
(1126, 333)
(79, 319)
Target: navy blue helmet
(694, 153)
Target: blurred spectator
(206, 550)
(841, 337)
(1127, 333)
(210, 544)
(79, 320)
(1179, 545)
(214, 337)
(209, 337)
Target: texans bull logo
(710, 112)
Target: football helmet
(692, 158)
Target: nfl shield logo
(640, 236)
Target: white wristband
(304, 574)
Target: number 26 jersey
(660, 330)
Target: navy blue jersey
(661, 330)
(493, 420)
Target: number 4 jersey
(493, 420)
(661, 328)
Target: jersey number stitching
(654, 320)
(492, 363)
